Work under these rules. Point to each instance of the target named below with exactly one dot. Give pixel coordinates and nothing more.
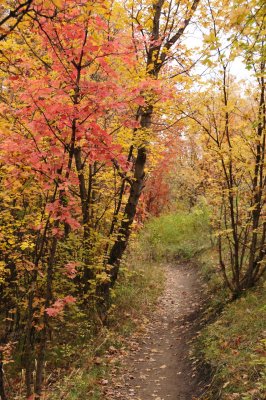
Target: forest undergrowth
(232, 342)
(86, 364)
(85, 360)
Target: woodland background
(117, 128)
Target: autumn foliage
(101, 128)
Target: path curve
(158, 366)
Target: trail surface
(158, 366)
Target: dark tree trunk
(2, 385)
(120, 244)
(131, 206)
(44, 332)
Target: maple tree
(12, 13)
(10, 18)
(161, 35)
(73, 123)
(68, 115)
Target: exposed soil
(158, 366)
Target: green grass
(176, 235)
(79, 384)
(233, 342)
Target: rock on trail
(158, 366)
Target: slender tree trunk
(258, 183)
(131, 206)
(28, 348)
(44, 332)
(2, 385)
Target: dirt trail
(158, 366)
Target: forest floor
(158, 365)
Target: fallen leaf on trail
(226, 384)
(97, 360)
(112, 350)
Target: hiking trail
(158, 365)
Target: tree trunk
(131, 206)
(120, 244)
(44, 332)
(2, 385)
(157, 55)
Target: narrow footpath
(158, 366)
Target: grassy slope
(179, 235)
(235, 347)
(234, 343)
